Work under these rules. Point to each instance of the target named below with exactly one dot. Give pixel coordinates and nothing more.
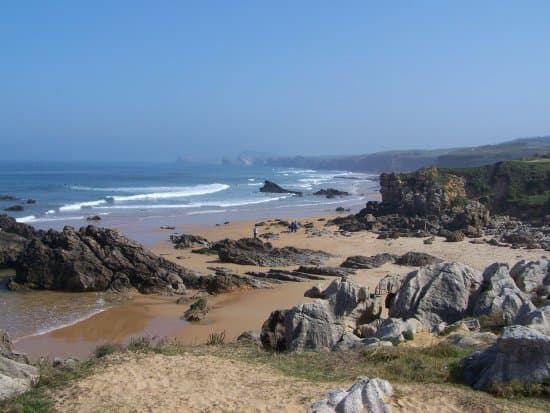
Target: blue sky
(136, 80)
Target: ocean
(137, 198)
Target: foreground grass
(400, 365)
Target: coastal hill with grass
(407, 160)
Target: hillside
(410, 160)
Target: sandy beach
(159, 316)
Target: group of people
(293, 228)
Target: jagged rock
(455, 236)
(361, 261)
(14, 208)
(417, 259)
(498, 299)
(188, 241)
(328, 271)
(91, 259)
(537, 318)
(16, 375)
(437, 293)
(197, 311)
(532, 277)
(520, 354)
(366, 395)
(250, 335)
(321, 324)
(314, 292)
(272, 187)
(250, 251)
(331, 192)
(397, 330)
(475, 339)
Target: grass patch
(216, 338)
(106, 349)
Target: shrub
(216, 338)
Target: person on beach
(255, 232)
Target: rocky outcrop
(520, 354)
(321, 324)
(533, 277)
(16, 375)
(188, 240)
(14, 208)
(331, 193)
(375, 261)
(437, 293)
(366, 395)
(250, 251)
(396, 330)
(498, 299)
(90, 259)
(197, 311)
(536, 318)
(272, 187)
(417, 259)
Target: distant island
(405, 160)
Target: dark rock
(250, 251)
(30, 201)
(375, 261)
(417, 259)
(15, 208)
(250, 336)
(8, 198)
(272, 187)
(284, 275)
(429, 241)
(314, 292)
(93, 218)
(197, 311)
(331, 193)
(188, 241)
(328, 271)
(455, 236)
(91, 259)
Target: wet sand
(246, 310)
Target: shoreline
(238, 311)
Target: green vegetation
(438, 364)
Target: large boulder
(537, 318)
(520, 354)
(417, 259)
(306, 326)
(533, 277)
(397, 330)
(437, 293)
(366, 395)
(498, 299)
(363, 262)
(324, 323)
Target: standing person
(255, 232)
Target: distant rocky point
(272, 187)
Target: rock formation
(16, 375)
(366, 395)
(272, 187)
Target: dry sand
(206, 383)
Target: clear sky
(140, 80)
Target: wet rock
(417, 259)
(284, 275)
(437, 293)
(188, 240)
(521, 354)
(327, 271)
(8, 198)
(250, 251)
(366, 395)
(93, 218)
(30, 201)
(375, 261)
(197, 311)
(272, 187)
(14, 208)
(331, 193)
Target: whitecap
(181, 193)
